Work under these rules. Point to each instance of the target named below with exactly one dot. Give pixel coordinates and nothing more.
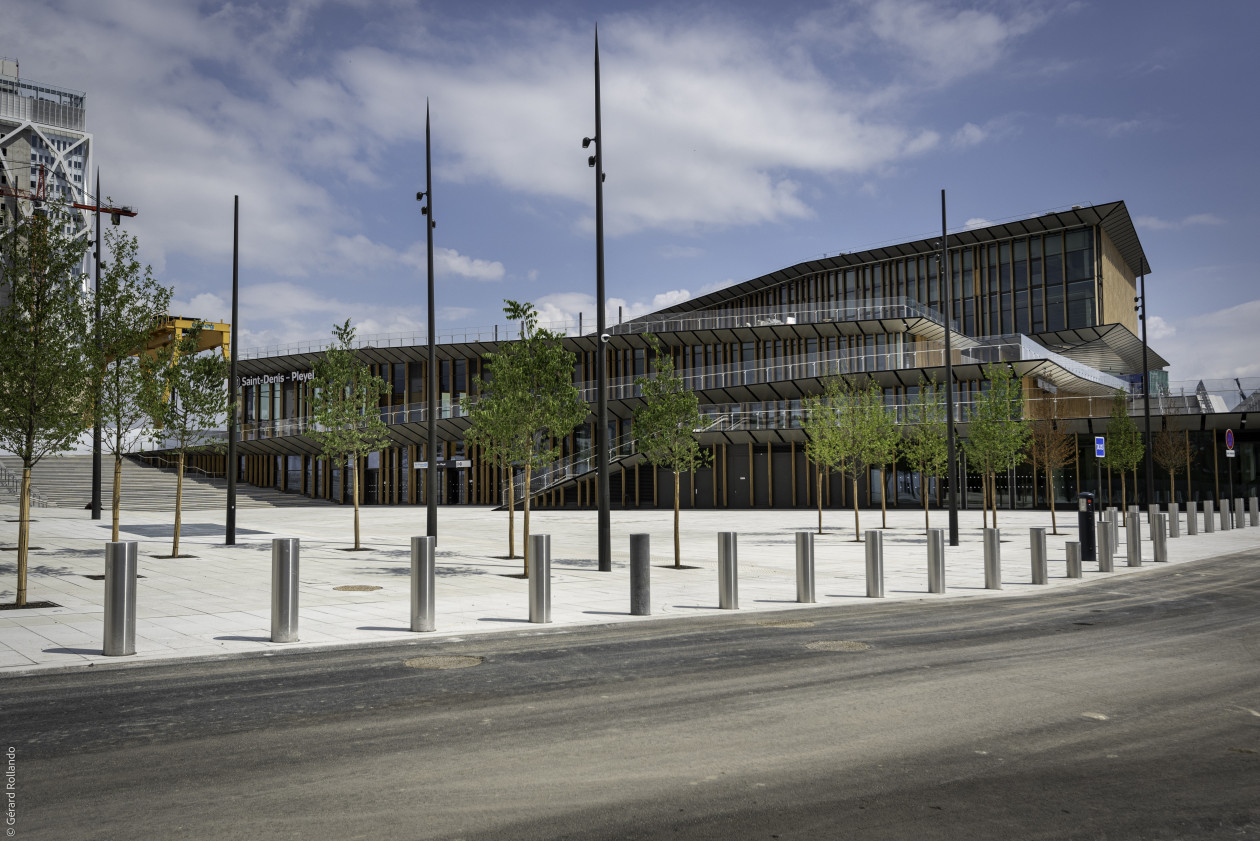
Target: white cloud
(1159, 328)
(977, 222)
(1109, 127)
(448, 261)
(1154, 223)
(1213, 345)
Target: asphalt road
(1121, 709)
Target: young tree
(529, 401)
(1172, 452)
(346, 410)
(854, 445)
(998, 432)
(665, 424)
(131, 303)
(883, 442)
(185, 395)
(925, 443)
(44, 356)
(1124, 443)
(823, 445)
(1050, 447)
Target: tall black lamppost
(1140, 301)
(96, 330)
(601, 388)
(430, 474)
(951, 463)
(233, 406)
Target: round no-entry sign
(1229, 439)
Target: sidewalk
(218, 603)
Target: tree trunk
(511, 514)
(677, 553)
(1054, 523)
(354, 492)
(179, 503)
(857, 528)
(1135, 488)
(1034, 481)
(525, 510)
(883, 499)
(984, 498)
(1172, 487)
(820, 489)
(1124, 500)
(24, 535)
(117, 494)
(927, 517)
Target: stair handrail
(168, 463)
(13, 482)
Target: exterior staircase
(65, 481)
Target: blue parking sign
(1100, 446)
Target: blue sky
(739, 138)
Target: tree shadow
(86, 651)
(238, 638)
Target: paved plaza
(217, 603)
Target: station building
(1050, 295)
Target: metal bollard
(540, 578)
(640, 575)
(284, 589)
(1254, 503)
(1226, 516)
(423, 572)
(1192, 519)
(1151, 511)
(1152, 522)
(1074, 560)
(1105, 556)
(874, 564)
(936, 560)
(1114, 514)
(120, 599)
(992, 559)
(1209, 523)
(1160, 541)
(805, 567)
(1040, 575)
(728, 571)
(1133, 539)
(1240, 522)
(1174, 520)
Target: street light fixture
(430, 475)
(1140, 305)
(951, 462)
(603, 493)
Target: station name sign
(270, 379)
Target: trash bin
(1085, 522)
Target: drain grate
(357, 588)
(786, 623)
(443, 661)
(838, 645)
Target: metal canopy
(1108, 347)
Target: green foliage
(528, 401)
(131, 302)
(998, 434)
(848, 429)
(925, 447)
(665, 423)
(1124, 441)
(346, 409)
(44, 356)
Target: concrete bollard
(1174, 520)
(1209, 522)
(423, 576)
(640, 575)
(805, 567)
(1040, 573)
(1192, 519)
(1240, 521)
(992, 559)
(1160, 542)
(540, 578)
(936, 560)
(1074, 560)
(285, 553)
(120, 599)
(728, 571)
(1133, 539)
(1254, 503)
(874, 564)
(1106, 562)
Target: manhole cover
(838, 645)
(357, 588)
(443, 661)
(786, 623)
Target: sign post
(1229, 466)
